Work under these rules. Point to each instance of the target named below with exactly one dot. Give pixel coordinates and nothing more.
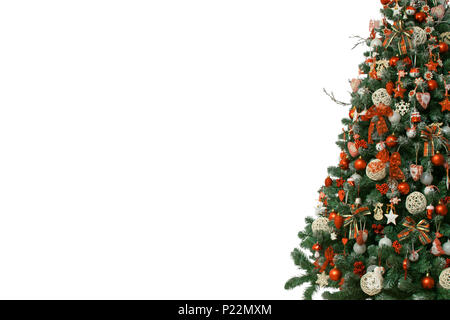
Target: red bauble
(335, 274)
(338, 221)
(331, 216)
(328, 182)
(351, 113)
(393, 61)
(360, 164)
(407, 61)
(391, 141)
(344, 164)
(443, 47)
(390, 87)
(403, 187)
(420, 16)
(438, 159)
(427, 282)
(317, 247)
(432, 85)
(385, 2)
(441, 209)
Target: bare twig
(332, 97)
(361, 40)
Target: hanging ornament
(322, 279)
(423, 98)
(381, 96)
(414, 255)
(378, 211)
(446, 247)
(430, 210)
(414, 72)
(376, 170)
(432, 85)
(436, 247)
(352, 149)
(445, 104)
(416, 202)
(320, 225)
(443, 47)
(403, 188)
(344, 164)
(338, 221)
(317, 247)
(444, 279)
(335, 274)
(359, 248)
(438, 159)
(328, 182)
(406, 266)
(411, 132)
(418, 37)
(331, 216)
(410, 10)
(415, 117)
(372, 282)
(385, 241)
(427, 282)
(420, 16)
(391, 216)
(360, 164)
(390, 87)
(441, 209)
(391, 141)
(426, 178)
(395, 118)
(415, 171)
(402, 107)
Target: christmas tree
(381, 229)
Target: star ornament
(445, 105)
(431, 65)
(322, 279)
(399, 92)
(391, 217)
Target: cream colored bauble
(359, 248)
(419, 36)
(416, 202)
(381, 96)
(320, 224)
(385, 241)
(446, 247)
(376, 170)
(372, 282)
(444, 279)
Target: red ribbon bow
(329, 256)
(380, 112)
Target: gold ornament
(378, 215)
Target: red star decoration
(431, 65)
(445, 105)
(399, 92)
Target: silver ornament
(414, 256)
(411, 133)
(359, 249)
(385, 241)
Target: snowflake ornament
(322, 279)
(402, 107)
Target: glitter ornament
(381, 96)
(416, 202)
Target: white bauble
(380, 146)
(385, 241)
(358, 201)
(446, 131)
(446, 247)
(411, 132)
(395, 118)
(414, 256)
(416, 202)
(428, 190)
(426, 178)
(375, 43)
(381, 96)
(356, 177)
(359, 248)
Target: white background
(166, 149)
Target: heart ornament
(423, 98)
(352, 149)
(415, 171)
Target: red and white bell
(410, 10)
(414, 72)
